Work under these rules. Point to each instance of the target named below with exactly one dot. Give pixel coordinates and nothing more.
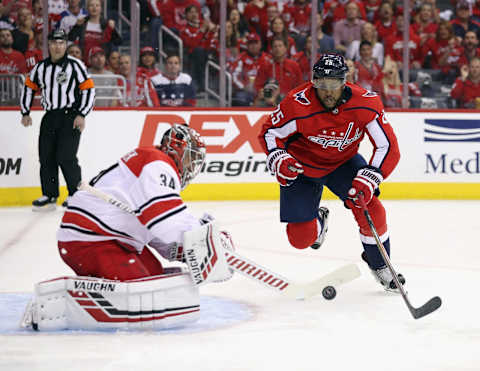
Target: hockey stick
(254, 271)
(427, 308)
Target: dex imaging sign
(453, 146)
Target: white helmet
(185, 147)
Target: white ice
(434, 244)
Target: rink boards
(440, 152)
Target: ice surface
(434, 244)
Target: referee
(68, 95)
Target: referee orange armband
(87, 84)
(31, 84)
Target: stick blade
(430, 306)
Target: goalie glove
(366, 182)
(283, 166)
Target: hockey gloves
(367, 181)
(283, 166)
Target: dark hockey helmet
(329, 66)
(186, 148)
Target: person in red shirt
(385, 23)
(145, 93)
(286, 71)
(369, 75)
(425, 26)
(300, 14)
(148, 58)
(255, 13)
(34, 54)
(174, 13)
(245, 70)
(197, 37)
(312, 140)
(11, 60)
(394, 46)
(466, 89)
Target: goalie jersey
(147, 180)
(322, 140)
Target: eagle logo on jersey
(340, 142)
(301, 98)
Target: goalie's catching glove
(366, 182)
(283, 166)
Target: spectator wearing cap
(148, 58)
(74, 15)
(466, 89)
(197, 38)
(269, 95)
(286, 71)
(173, 87)
(95, 30)
(348, 29)
(245, 70)
(463, 20)
(107, 93)
(11, 60)
(68, 95)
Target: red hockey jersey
(323, 140)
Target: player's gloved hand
(283, 166)
(367, 181)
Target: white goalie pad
(86, 303)
(204, 252)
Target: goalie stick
(254, 271)
(427, 308)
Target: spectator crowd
(268, 48)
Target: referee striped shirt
(64, 84)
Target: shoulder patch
(301, 98)
(369, 94)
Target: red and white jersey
(147, 180)
(323, 140)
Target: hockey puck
(329, 292)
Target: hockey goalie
(120, 283)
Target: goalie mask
(185, 147)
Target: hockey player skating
(312, 140)
(120, 282)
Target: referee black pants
(58, 146)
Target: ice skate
(44, 203)
(323, 216)
(384, 277)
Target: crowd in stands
(268, 47)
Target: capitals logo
(301, 98)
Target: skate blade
(43, 209)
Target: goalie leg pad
(302, 235)
(85, 303)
